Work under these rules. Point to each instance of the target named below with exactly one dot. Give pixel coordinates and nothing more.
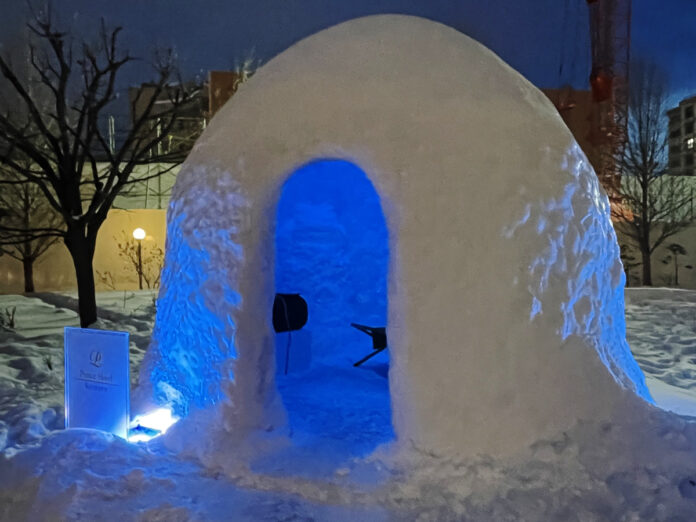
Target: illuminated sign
(97, 383)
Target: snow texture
(505, 289)
(638, 466)
(662, 336)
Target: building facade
(682, 138)
(576, 108)
(188, 124)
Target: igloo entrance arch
(331, 247)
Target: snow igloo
(497, 271)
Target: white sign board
(97, 383)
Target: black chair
(379, 340)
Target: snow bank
(594, 471)
(31, 356)
(636, 466)
(661, 330)
(505, 289)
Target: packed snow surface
(661, 331)
(591, 472)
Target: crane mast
(610, 35)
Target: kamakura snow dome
(505, 313)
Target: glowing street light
(139, 235)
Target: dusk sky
(530, 35)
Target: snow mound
(505, 289)
(594, 471)
(636, 466)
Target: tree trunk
(82, 252)
(647, 269)
(28, 265)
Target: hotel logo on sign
(95, 358)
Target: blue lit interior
(332, 248)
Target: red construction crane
(610, 35)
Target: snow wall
(505, 289)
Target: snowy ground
(661, 329)
(31, 355)
(47, 473)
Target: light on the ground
(150, 425)
(139, 233)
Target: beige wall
(54, 270)
(663, 273)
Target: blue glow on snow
(195, 329)
(586, 257)
(178, 377)
(332, 248)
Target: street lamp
(139, 235)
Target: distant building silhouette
(221, 86)
(682, 138)
(190, 123)
(577, 110)
(208, 98)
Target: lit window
(690, 143)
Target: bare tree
(676, 250)
(629, 262)
(23, 209)
(654, 205)
(66, 151)
(146, 261)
